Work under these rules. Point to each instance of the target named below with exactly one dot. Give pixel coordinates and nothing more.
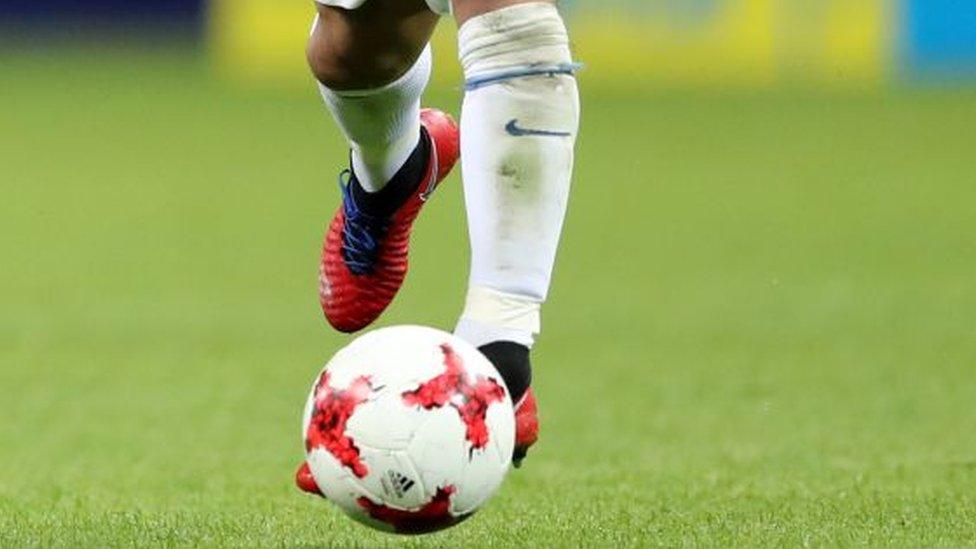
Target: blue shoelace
(362, 234)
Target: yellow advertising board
(721, 43)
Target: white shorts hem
(441, 7)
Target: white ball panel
(335, 481)
(501, 424)
(480, 479)
(384, 422)
(437, 451)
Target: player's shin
(518, 133)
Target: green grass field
(762, 330)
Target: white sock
(518, 132)
(383, 124)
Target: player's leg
(518, 132)
(372, 61)
(372, 64)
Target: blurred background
(714, 43)
(761, 328)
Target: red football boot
(526, 426)
(305, 481)
(364, 258)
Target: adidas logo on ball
(397, 483)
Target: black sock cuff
(512, 362)
(399, 189)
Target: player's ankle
(512, 362)
(400, 187)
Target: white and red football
(409, 430)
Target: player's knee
(331, 66)
(346, 67)
(464, 10)
(524, 37)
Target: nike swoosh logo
(514, 130)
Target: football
(409, 430)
